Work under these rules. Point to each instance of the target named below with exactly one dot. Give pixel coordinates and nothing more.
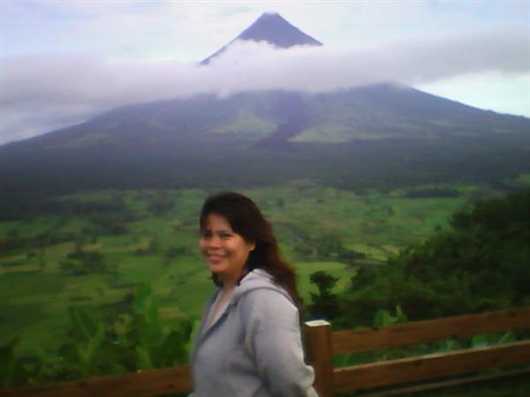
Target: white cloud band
(39, 92)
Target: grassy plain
(158, 247)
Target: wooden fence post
(318, 346)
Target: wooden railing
(322, 344)
(149, 383)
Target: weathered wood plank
(430, 367)
(430, 330)
(147, 383)
(407, 390)
(318, 344)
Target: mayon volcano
(380, 133)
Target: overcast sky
(63, 61)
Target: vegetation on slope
(480, 263)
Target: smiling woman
(225, 251)
(250, 342)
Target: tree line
(480, 263)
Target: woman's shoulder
(259, 298)
(260, 283)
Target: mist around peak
(40, 93)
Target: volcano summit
(273, 29)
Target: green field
(149, 237)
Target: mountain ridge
(372, 112)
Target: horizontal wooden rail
(458, 381)
(147, 383)
(416, 332)
(429, 367)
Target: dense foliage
(481, 263)
(126, 339)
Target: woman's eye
(225, 236)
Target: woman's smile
(215, 259)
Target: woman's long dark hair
(246, 219)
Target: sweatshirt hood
(258, 279)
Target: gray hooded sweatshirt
(254, 348)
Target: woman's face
(225, 251)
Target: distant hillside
(373, 136)
(374, 112)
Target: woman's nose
(214, 241)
